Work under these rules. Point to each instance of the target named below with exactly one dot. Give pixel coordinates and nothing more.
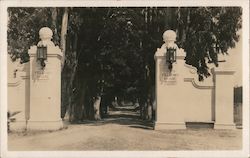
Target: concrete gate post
(168, 83)
(224, 103)
(18, 88)
(45, 85)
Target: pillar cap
(222, 71)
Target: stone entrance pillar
(18, 88)
(45, 86)
(169, 86)
(224, 95)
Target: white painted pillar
(169, 113)
(45, 86)
(18, 91)
(224, 95)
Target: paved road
(123, 130)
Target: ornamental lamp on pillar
(171, 55)
(169, 37)
(42, 55)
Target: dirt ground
(123, 130)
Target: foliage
(208, 32)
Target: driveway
(123, 130)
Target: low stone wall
(18, 95)
(182, 99)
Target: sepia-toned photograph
(125, 78)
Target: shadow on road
(123, 116)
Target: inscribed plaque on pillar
(166, 76)
(41, 75)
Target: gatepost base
(169, 125)
(17, 126)
(45, 125)
(224, 126)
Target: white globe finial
(169, 35)
(45, 33)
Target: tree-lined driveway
(124, 130)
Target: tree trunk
(97, 105)
(54, 25)
(79, 109)
(88, 103)
(149, 111)
(70, 69)
(82, 102)
(64, 33)
(66, 86)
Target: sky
(234, 59)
